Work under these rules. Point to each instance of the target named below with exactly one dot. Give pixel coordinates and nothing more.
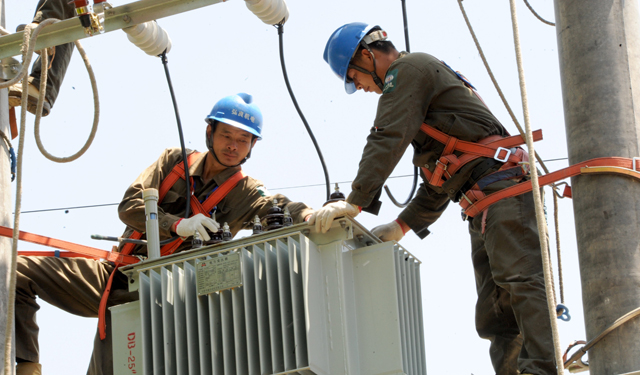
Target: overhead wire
(271, 189)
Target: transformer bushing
(274, 217)
(336, 196)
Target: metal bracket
(116, 18)
(9, 68)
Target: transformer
(286, 301)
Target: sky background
(224, 49)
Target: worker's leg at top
(58, 63)
(513, 250)
(495, 320)
(72, 284)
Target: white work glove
(388, 232)
(323, 218)
(187, 227)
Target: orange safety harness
(501, 149)
(196, 207)
(123, 257)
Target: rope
(515, 121)
(28, 45)
(537, 15)
(96, 105)
(540, 218)
(559, 253)
(27, 51)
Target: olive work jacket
(419, 88)
(248, 199)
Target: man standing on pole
(435, 109)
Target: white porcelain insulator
(150, 37)
(270, 12)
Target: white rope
(537, 15)
(517, 124)
(540, 218)
(29, 46)
(96, 105)
(8, 365)
(27, 49)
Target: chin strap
(373, 74)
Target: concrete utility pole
(5, 207)
(598, 44)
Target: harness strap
(74, 248)
(171, 247)
(626, 166)
(176, 173)
(206, 207)
(492, 147)
(102, 308)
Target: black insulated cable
(415, 169)
(280, 28)
(187, 211)
(163, 58)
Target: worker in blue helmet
(464, 154)
(237, 111)
(222, 198)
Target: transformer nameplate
(219, 273)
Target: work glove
(389, 232)
(187, 227)
(323, 218)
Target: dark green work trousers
(74, 285)
(512, 309)
(60, 9)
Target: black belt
(476, 174)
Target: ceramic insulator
(270, 12)
(150, 37)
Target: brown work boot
(28, 368)
(15, 98)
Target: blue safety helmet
(342, 46)
(238, 110)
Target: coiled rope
(29, 46)
(96, 107)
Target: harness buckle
(633, 164)
(444, 168)
(497, 155)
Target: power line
(282, 188)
